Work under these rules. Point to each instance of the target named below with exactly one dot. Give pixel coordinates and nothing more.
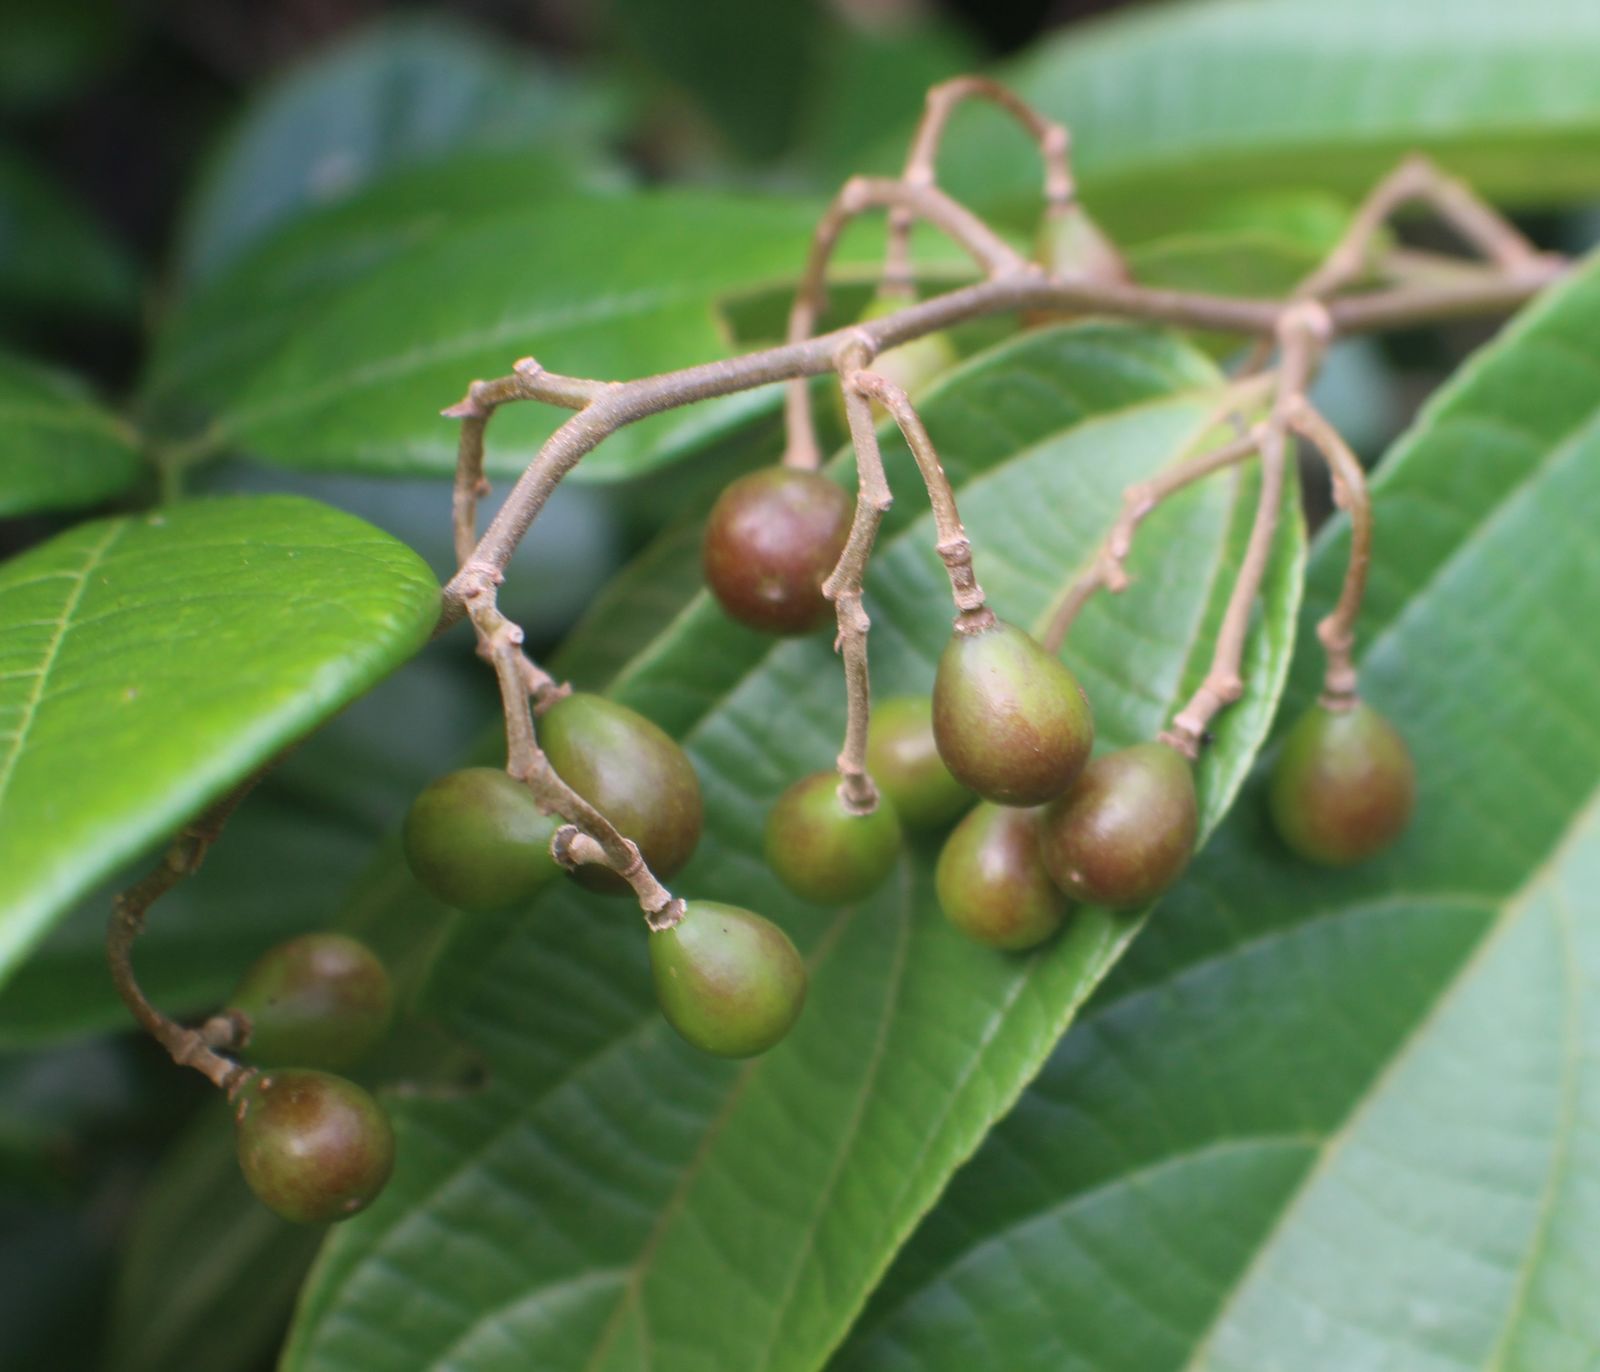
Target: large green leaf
(398, 94)
(148, 663)
(1171, 104)
(1345, 1121)
(601, 288)
(224, 331)
(613, 1196)
(58, 448)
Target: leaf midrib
(30, 712)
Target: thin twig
(952, 545)
(500, 642)
(1303, 335)
(1336, 631)
(844, 586)
(186, 1047)
(993, 255)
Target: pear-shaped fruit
(477, 840)
(905, 763)
(823, 851)
(1125, 830)
(1343, 785)
(992, 883)
(728, 980)
(634, 773)
(1010, 720)
(772, 540)
(313, 1147)
(320, 1000)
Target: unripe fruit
(478, 840)
(1010, 720)
(631, 771)
(821, 850)
(904, 761)
(1343, 785)
(1125, 830)
(320, 1000)
(313, 1147)
(1072, 244)
(992, 883)
(772, 540)
(728, 980)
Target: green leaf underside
(53, 255)
(148, 663)
(58, 449)
(399, 94)
(211, 346)
(590, 287)
(1171, 107)
(614, 1198)
(1337, 1121)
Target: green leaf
(58, 449)
(608, 1177)
(591, 288)
(1171, 105)
(398, 94)
(1344, 1120)
(53, 256)
(149, 663)
(226, 329)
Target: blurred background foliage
(152, 153)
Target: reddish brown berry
(772, 540)
(320, 1000)
(1125, 830)
(1343, 785)
(992, 883)
(313, 1147)
(1011, 721)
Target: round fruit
(992, 883)
(1343, 785)
(904, 761)
(478, 840)
(772, 540)
(313, 1147)
(631, 771)
(1125, 830)
(320, 1000)
(728, 980)
(824, 852)
(1010, 720)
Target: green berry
(477, 840)
(1125, 830)
(728, 980)
(1343, 785)
(634, 773)
(991, 881)
(1010, 720)
(904, 760)
(320, 1000)
(313, 1147)
(822, 850)
(772, 540)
